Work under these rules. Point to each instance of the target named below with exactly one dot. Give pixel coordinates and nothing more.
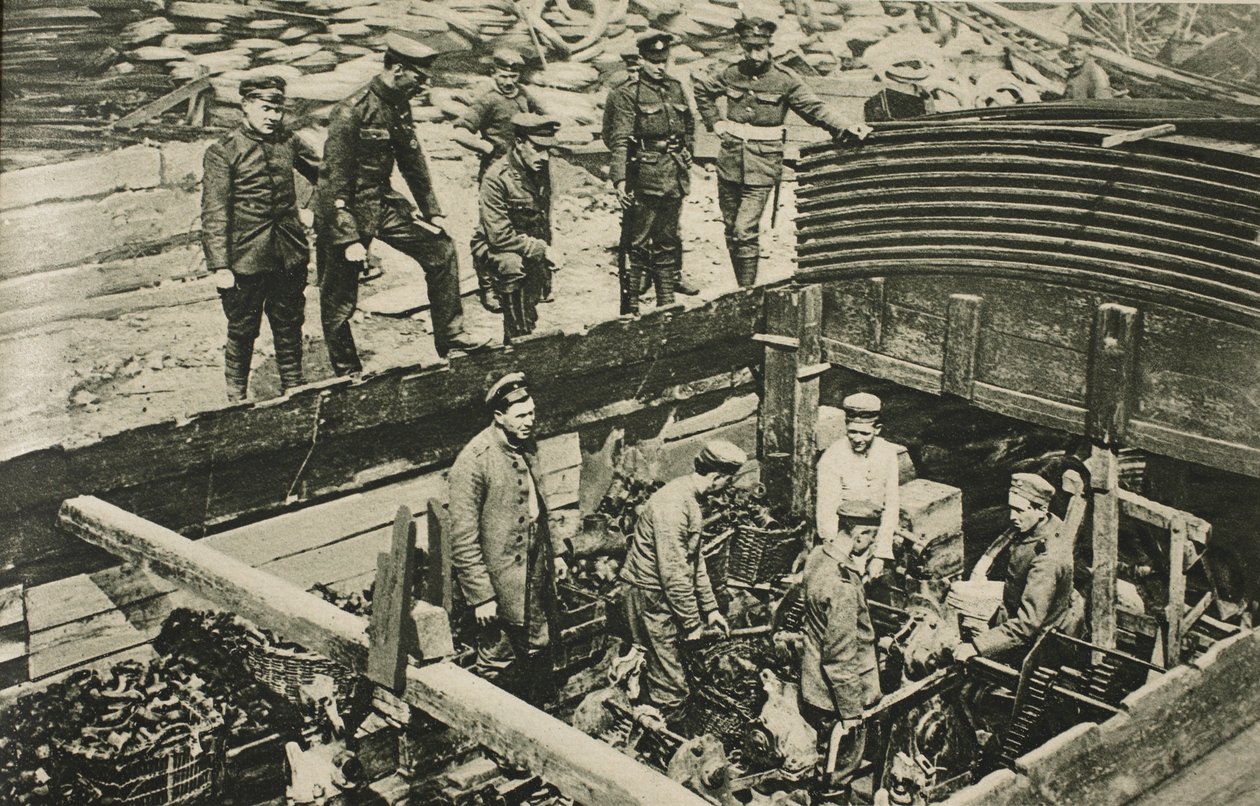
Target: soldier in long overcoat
(253, 239)
(501, 550)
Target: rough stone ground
(77, 380)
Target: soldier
(254, 243)
(651, 136)
(368, 133)
(863, 465)
(501, 550)
(666, 590)
(839, 675)
(1038, 594)
(512, 242)
(631, 60)
(486, 130)
(1085, 78)
(750, 161)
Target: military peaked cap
(722, 456)
(1032, 488)
(538, 128)
(511, 388)
(862, 406)
(859, 512)
(755, 30)
(654, 43)
(411, 52)
(268, 88)
(508, 59)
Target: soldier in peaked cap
(254, 242)
(368, 134)
(501, 551)
(1038, 593)
(651, 134)
(511, 246)
(665, 584)
(758, 95)
(1085, 78)
(485, 128)
(839, 675)
(861, 465)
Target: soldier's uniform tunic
(652, 137)
(873, 476)
(750, 161)
(490, 117)
(249, 224)
(1038, 593)
(368, 133)
(512, 237)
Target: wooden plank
(73, 644)
(962, 344)
(1074, 517)
(391, 605)
(438, 584)
(1218, 407)
(1033, 368)
(789, 406)
(1134, 135)
(580, 766)
(1160, 515)
(82, 596)
(1223, 454)
(853, 311)
(1109, 392)
(340, 560)
(1175, 611)
(1104, 472)
(925, 379)
(912, 336)
(188, 92)
(1029, 408)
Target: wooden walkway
(1227, 776)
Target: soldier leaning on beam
(485, 128)
(758, 94)
(253, 239)
(512, 242)
(368, 133)
(652, 137)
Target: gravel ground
(85, 378)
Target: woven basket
(763, 555)
(188, 770)
(285, 670)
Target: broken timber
(583, 768)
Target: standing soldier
(253, 240)
(651, 136)
(512, 242)
(630, 59)
(1038, 594)
(368, 133)
(486, 130)
(501, 549)
(839, 675)
(666, 589)
(862, 465)
(759, 94)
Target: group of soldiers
(253, 234)
(506, 566)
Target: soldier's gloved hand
(554, 256)
(224, 279)
(858, 131)
(487, 612)
(875, 568)
(624, 197)
(356, 252)
(718, 622)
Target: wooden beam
(437, 583)
(1113, 140)
(189, 92)
(1109, 387)
(391, 605)
(1104, 472)
(1074, 517)
(962, 345)
(789, 406)
(583, 768)
(1175, 611)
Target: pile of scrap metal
(1087, 194)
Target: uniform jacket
(490, 116)
(368, 133)
(492, 530)
(761, 99)
(838, 668)
(651, 134)
(605, 129)
(875, 477)
(1088, 80)
(664, 553)
(1038, 593)
(515, 209)
(249, 216)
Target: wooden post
(1074, 517)
(1174, 613)
(437, 586)
(962, 345)
(391, 605)
(1108, 403)
(583, 768)
(789, 406)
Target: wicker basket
(285, 670)
(763, 555)
(189, 770)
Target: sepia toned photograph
(629, 403)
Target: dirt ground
(75, 381)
